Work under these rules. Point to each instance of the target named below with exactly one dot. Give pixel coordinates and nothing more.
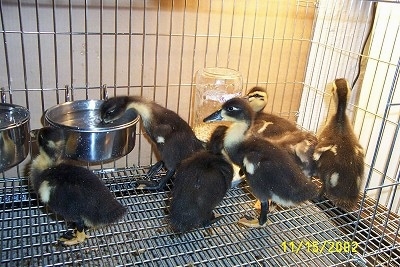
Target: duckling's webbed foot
(272, 205)
(264, 212)
(249, 222)
(155, 169)
(256, 223)
(154, 185)
(73, 237)
(214, 218)
(68, 235)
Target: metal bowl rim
(86, 130)
(19, 123)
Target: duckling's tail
(183, 221)
(110, 213)
(118, 211)
(345, 195)
(313, 190)
(348, 203)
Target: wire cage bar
(52, 51)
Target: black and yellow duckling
(270, 171)
(339, 156)
(282, 132)
(201, 182)
(173, 137)
(73, 192)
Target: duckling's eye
(110, 111)
(232, 108)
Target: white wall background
(374, 106)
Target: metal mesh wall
(154, 48)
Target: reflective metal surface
(88, 138)
(14, 135)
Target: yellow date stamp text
(319, 247)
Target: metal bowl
(88, 138)
(14, 135)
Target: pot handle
(3, 95)
(104, 93)
(67, 93)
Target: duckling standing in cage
(173, 137)
(202, 181)
(339, 156)
(282, 133)
(270, 171)
(73, 192)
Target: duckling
(201, 182)
(173, 137)
(282, 132)
(73, 192)
(300, 145)
(271, 172)
(339, 156)
(267, 124)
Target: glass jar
(214, 86)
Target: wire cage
(152, 48)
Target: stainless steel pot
(14, 135)
(88, 138)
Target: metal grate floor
(29, 232)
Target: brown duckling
(339, 156)
(267, 124)
(282, 132)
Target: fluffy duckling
(339, 156)
(73, 192)
(282, 132)
(267, 124)
(271, 172)
(173, 137)
(201, 182)
(300, 145)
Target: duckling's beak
(216, 116)
(104, 121)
